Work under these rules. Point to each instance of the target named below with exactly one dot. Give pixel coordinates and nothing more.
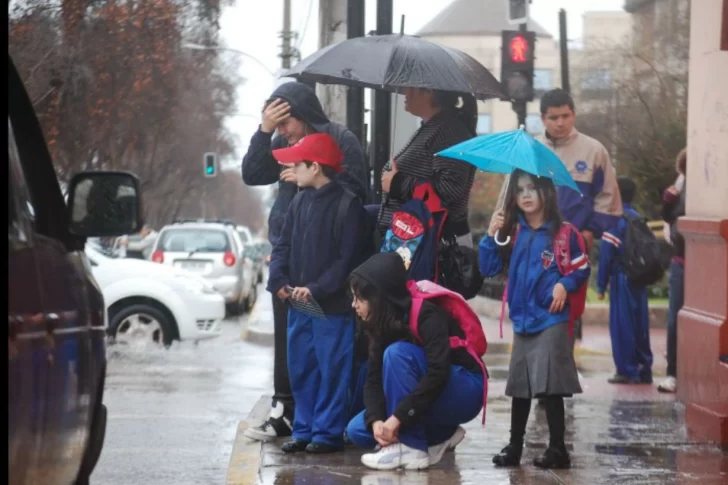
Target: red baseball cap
(318, 147)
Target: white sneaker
(396, 456)
(276, 426)
(436, 452)
(668, 385)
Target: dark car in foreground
(56, 312)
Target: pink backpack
(474, 342)
(577, 300)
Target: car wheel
(140, 325)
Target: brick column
(703, 329)
(702, 373)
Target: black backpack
(642, 255)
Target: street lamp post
(200, 47)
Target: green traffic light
(210, 170)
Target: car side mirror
(104, 203)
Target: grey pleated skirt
(543, 364)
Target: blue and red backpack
(415, 232)
(474, 342)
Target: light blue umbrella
(508, 151)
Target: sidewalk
(615, 433)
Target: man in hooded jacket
(294, 111)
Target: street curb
(257, 337)
(244, 465)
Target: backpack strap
(426, 193)
(562, 244)
(341, 213)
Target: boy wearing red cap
(318, 248)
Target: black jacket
(259, 167)
(307, 253)
(436, 326)
(673, 208)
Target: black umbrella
(396, 61)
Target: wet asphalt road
(173, 414)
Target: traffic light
(517, 11)
(517, 64)
(210, 164)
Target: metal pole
(563, 39)
(520, 107)
(286, 35)
(382, 109)
(355, 96)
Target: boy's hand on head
(559, 298)
(496, 223)
(301, 293)
(276, 112)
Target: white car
(211, 249)
(151, 303)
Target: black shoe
(320, 448)
(621, 379)
(294, 446)
(553, 458)
(509, 456)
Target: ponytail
(464, 105)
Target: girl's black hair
(386, 323)
(549, 199)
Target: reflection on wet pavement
(173, 414)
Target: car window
(244, 237)
(194, 240)
(21, 214)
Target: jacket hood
(305, 105)
(386, 271)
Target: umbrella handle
(501, 243)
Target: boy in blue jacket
(311, 261)
(542, 362)
(629, 319)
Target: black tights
(520, 408)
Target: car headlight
(196, 285)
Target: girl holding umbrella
(542, 363)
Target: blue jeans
(320, 365)
(403, 367)
(676, 295)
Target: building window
(596, 80)
(483, 124)
(534, 125)
(542, 81)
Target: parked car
(246, 236)
(56, 316)
(253, 253)
(213, 250)
(149, 303)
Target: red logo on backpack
(474, 342)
